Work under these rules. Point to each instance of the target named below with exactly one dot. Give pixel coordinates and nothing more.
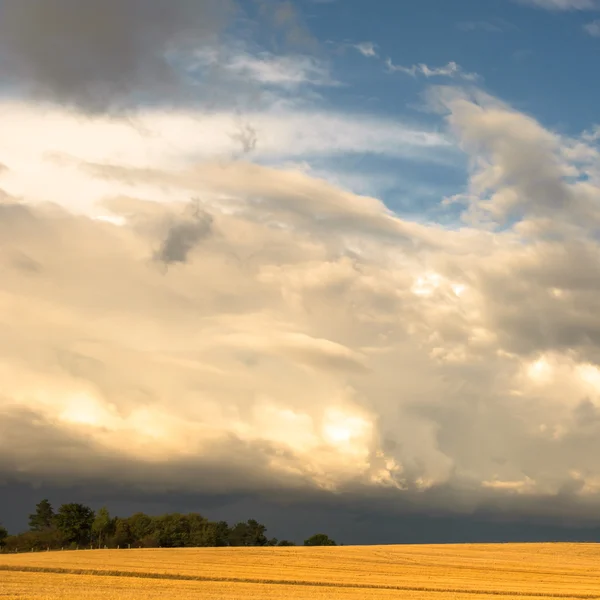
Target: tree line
(75, 526)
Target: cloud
(183, 235)
(451, 70)
(367, 49)
(561, 4)
(593, 28)
(309, 344)
(490, 26)
(284, 71)
(42, 149)
(519, 167)
(102, 53)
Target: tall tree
(43, 516)
(3, 536)
(319, 539)
(75, 521)
(101, 527)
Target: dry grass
(352, 573)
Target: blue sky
(536, 56)
(539, 60)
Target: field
(457, 572)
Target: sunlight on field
(377, 572)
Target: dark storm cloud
(294, 520)
(98, 54)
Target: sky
(332, 264)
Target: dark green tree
(319, 539)
(43, 516)
(257, 533)
(34, 540)
(238, 535)
(141, 526)
(285, 543)
(3, 536)
(122, 535)
(173, 530)
(74, 521)
(250, 533)
(202, 531)
(221, 533)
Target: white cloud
(40, 146)
(281, 70)
(451, 70)
(494, 25)
(593, 28)
(367, 49)
(561, 4)
(285, 71)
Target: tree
(285, 543)
(102, 525)
(3, 536)
(251, 533)
(257, 533)
(34, 540)
(75, 521)
(173, 530)
(43, 516)
(221, 533)
(319, 539)
(141, 526)
(238, 535)
(122, 535)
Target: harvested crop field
(351, 572)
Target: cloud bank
(304, 339)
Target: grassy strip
(366, 586)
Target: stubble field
(457, 572)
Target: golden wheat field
(444, 572)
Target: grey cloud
(247, 136)
(102, 54)
(183, 235)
